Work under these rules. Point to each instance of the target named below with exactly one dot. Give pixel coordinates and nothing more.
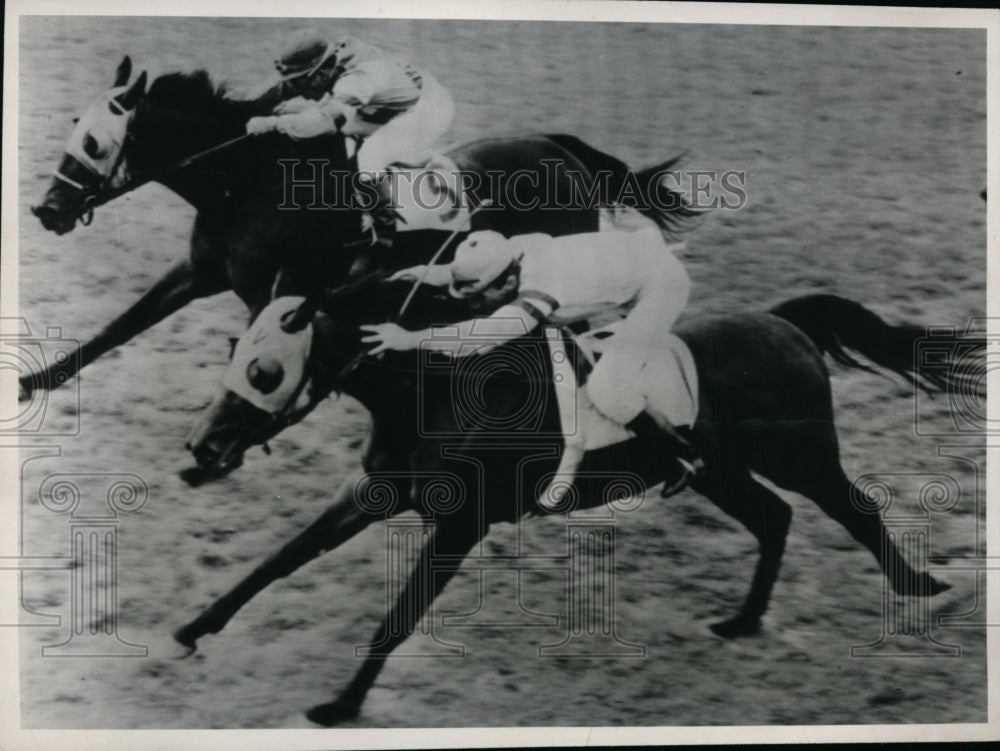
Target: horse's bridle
(104, 190)
(303, 315)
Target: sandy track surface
(864, 152)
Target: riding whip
(437, 255)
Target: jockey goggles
(297, 69)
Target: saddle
(581, 423)
(575, 348)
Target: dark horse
(765, 407)
(241, 238)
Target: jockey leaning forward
(395, 111)
(525, 279)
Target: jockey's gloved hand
(293, 105)
(259, 125)
(435, 276)
(411, 274)
(389, 336)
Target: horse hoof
(24, 393)
(926, 586)
(183, 651)
(186, 645)
(332, 713)
(937, 587)
(735, 627)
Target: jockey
(395, 111)
(531, 276)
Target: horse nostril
(34, 210)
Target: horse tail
(645, 188)
(835, 324)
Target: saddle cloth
(669, 383)
(429, 195)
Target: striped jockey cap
(303, 53)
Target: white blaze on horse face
(265, 339)
(99, 136)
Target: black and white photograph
(476, 375)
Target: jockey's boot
(380, 220)
(378, 228)
(661, 430)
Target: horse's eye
(265, 374)
(92, 148)
(76, 120)
(233, 341)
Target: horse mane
(197, 91)
(192, 88)
(429, 306)
(334, 299)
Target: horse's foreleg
(179, 286)
(437, 564)
(768, 518)
(342, 520)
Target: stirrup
(371, 235)
(689, 472)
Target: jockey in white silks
(395, 110)
(532, 276)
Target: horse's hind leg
(811, 466)
(447, 545)
(768, 518)
(844, 501)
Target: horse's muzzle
(212, 462)
(206, 454)
(53, 220)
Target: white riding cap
(479, 260)
(269, 363)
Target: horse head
(93, 165)
(130, 135)
(296, 353)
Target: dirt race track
(864, 151)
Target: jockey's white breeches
(409, 136)
(633, 374)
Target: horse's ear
(124, 72)
(296, 320)
(130, 98)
